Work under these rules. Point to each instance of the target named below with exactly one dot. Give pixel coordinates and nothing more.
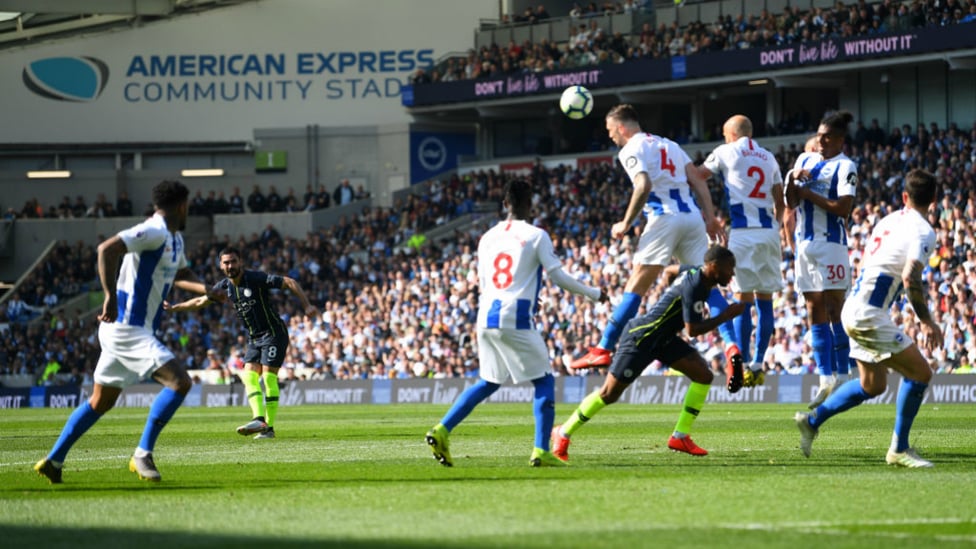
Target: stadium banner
(639, 71)
(15, 397)
(786, 389)
(282, 63)
(833, 50)
(644, 71)
(62, 396)
(433, 153)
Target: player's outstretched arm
(695, 329)
(570, 284)
(193, 304)
(188, 280)
(642, 189)
(292, 285)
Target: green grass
(361, 476)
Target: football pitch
(362, 476)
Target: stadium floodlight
(48, 174)
(203, 172)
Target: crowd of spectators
(590, 44)
(215, 202)
(391, 310)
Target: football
(576, 102)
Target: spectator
(256, 201)
(236, 201)
(343, 194)
(123, 206)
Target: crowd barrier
(787, 389)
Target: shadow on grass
(77, 538)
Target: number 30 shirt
(664, 162)
(831, 178)
(511, 258)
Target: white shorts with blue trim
(680, 235)
(517, 354)
(758, 253)
(129, 354)
(874, 335)
(822, 266)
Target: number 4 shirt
(664, 162)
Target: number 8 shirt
(511, 258)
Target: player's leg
(834, 302)
(251, 378)
(682, 357)
(765, 318)
(491, 358)
(917, 374)
(110, 376)
(822, 342)
(628, 363)
(544, 410)
(81, 419)
(654, 250)
(272, 357)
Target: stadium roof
(26, 21)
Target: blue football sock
(78, 423)
(910, 396)
(161, 411)
(626, 310)
(717, 304)
(743, 333)
(823, 348)
(845, 397)
(544, 409)
(471, 397)
(766, 320)
(842, 349)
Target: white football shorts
(681, 235)
(129, 354)
(507, 353)
(758, 254)
(874, 336)
(822, 266)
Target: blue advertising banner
(15, 397)
(433, 153)
(63, 396)
(755, 60)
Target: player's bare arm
(193, 304)
(187, 280)
(840, 206)
(915, 291)
(699, 187)
(671, 272)
(779, 208)
(110, 252)
(642, 189)
(695, 329)
(292, 285)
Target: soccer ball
(576, 102)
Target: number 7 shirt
(511, 258)
(664, 162)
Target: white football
(576, 102)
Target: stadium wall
(784, 389)
(271, 64)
